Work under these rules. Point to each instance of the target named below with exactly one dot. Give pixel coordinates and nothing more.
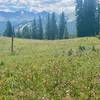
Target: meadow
(50, 70)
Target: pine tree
(9, 30)
(54, 29)
(90, 17)
(48, 26)
(66, 34)
(40, 29)
(62, 25)
(86, 17)
(98, 17)
(34, 30)
(80, 18)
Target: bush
(98, 36)
(93, 48)
(70, 52)
(1, 63)
(82, 48)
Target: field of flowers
(50, 70)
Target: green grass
(50, 70)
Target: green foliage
(70, 52)
(62, 24)
(47, 30)
(86, 18)
(1, 63)
(82, 48)
(40, 29)
(54, 28)
(9, 31)
(93, 48)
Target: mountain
(18, 17)
(22, 18)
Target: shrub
(93, 48)
(1, 63)
(70, 52)
(82, 48)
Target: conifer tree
(98, 17)
(48, 30)
(79, 16)
(86, 17)
(62, 24)
(66, 34)
(9, 30)
(40, 29)
(89, 17)
(54, 29)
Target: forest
(87, 24)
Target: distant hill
(22, 18)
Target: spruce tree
(66, 34)
(40, 29)
(90, 17)
(98, 17)
(9, 30)
(53, 26)
(86, 17)
(62, 24)
(48, 26)
(80, 18)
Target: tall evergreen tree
(40, 29)
(79, 16)
(48, 26)
(62, 25)
(98, 17)
(53, 26)
(86, 17)
(66, 34)
(90, 17)
(9, 30)
(34, 29)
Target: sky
(39, 5)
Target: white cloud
(51, 5)
(39, 5)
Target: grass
(50, 70)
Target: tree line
(88, 17)
(53, 29)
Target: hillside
(50, 70)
